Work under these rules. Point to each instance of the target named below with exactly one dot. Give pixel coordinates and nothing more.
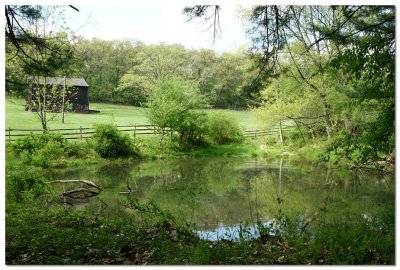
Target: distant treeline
(127, 71)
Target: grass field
(17, 117)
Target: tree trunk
(327, 115)
(299, 129)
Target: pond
(223, 197)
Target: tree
(203, 65)
(367, 69)
(36, 43)
(203, 12)
(226, 80)
(122, 57)
(95, 56)
(134, 89)
(274, 29)
(152, 64)
(224, 128)
(38, 47)
(343, 56)
(47, 98)
(172, 106)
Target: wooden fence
(254, 133)
(13, 134)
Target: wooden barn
(75, 92)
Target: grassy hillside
(17, 117)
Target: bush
(192, 130)
(172, 105)
(34, 142)
(40, 149)
(270, 140)
(296, 137)
(24, 178)
(111, 143)
(44, 149)
(224, 128)
(79, 149)
(50, 152)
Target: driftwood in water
(71, 200)
(87, 182)
(80, 193)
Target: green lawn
(17, 117)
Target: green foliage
(367, 67)
(172, 106)
(47, 149)
(192, 131)
(233, 85)
(127, 72)
(271, 140)
(122, 241)
(78, 149)
(50, 152)
(103, 63)
(227, 150)
(38, 48)
(361, 243)
(40, 149)
(112, 143)
(224, 128)
(134, 89)
(354, 149)
(285, 98)
(151, 213)
(22, 179)
(34, 142)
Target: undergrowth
(151, 235)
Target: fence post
(255, 134)
(81, 131)
(9, 134)
(134, 131)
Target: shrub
(24, 178)
(79, 149)
(270, 140)
(192, 130)
(50, 152)
(43, 149)
(296, 137)
(40, 149)
(172, 105)
(224, 128)
(111, 143)
(34, 142)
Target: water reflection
(235, 232)
(216, 195)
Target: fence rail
(13, 134)
(254, 133)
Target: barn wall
(79, 101)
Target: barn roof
(68, 81)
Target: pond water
(223, 197)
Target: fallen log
(80, 193)
(80, 190)
(87, 182)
